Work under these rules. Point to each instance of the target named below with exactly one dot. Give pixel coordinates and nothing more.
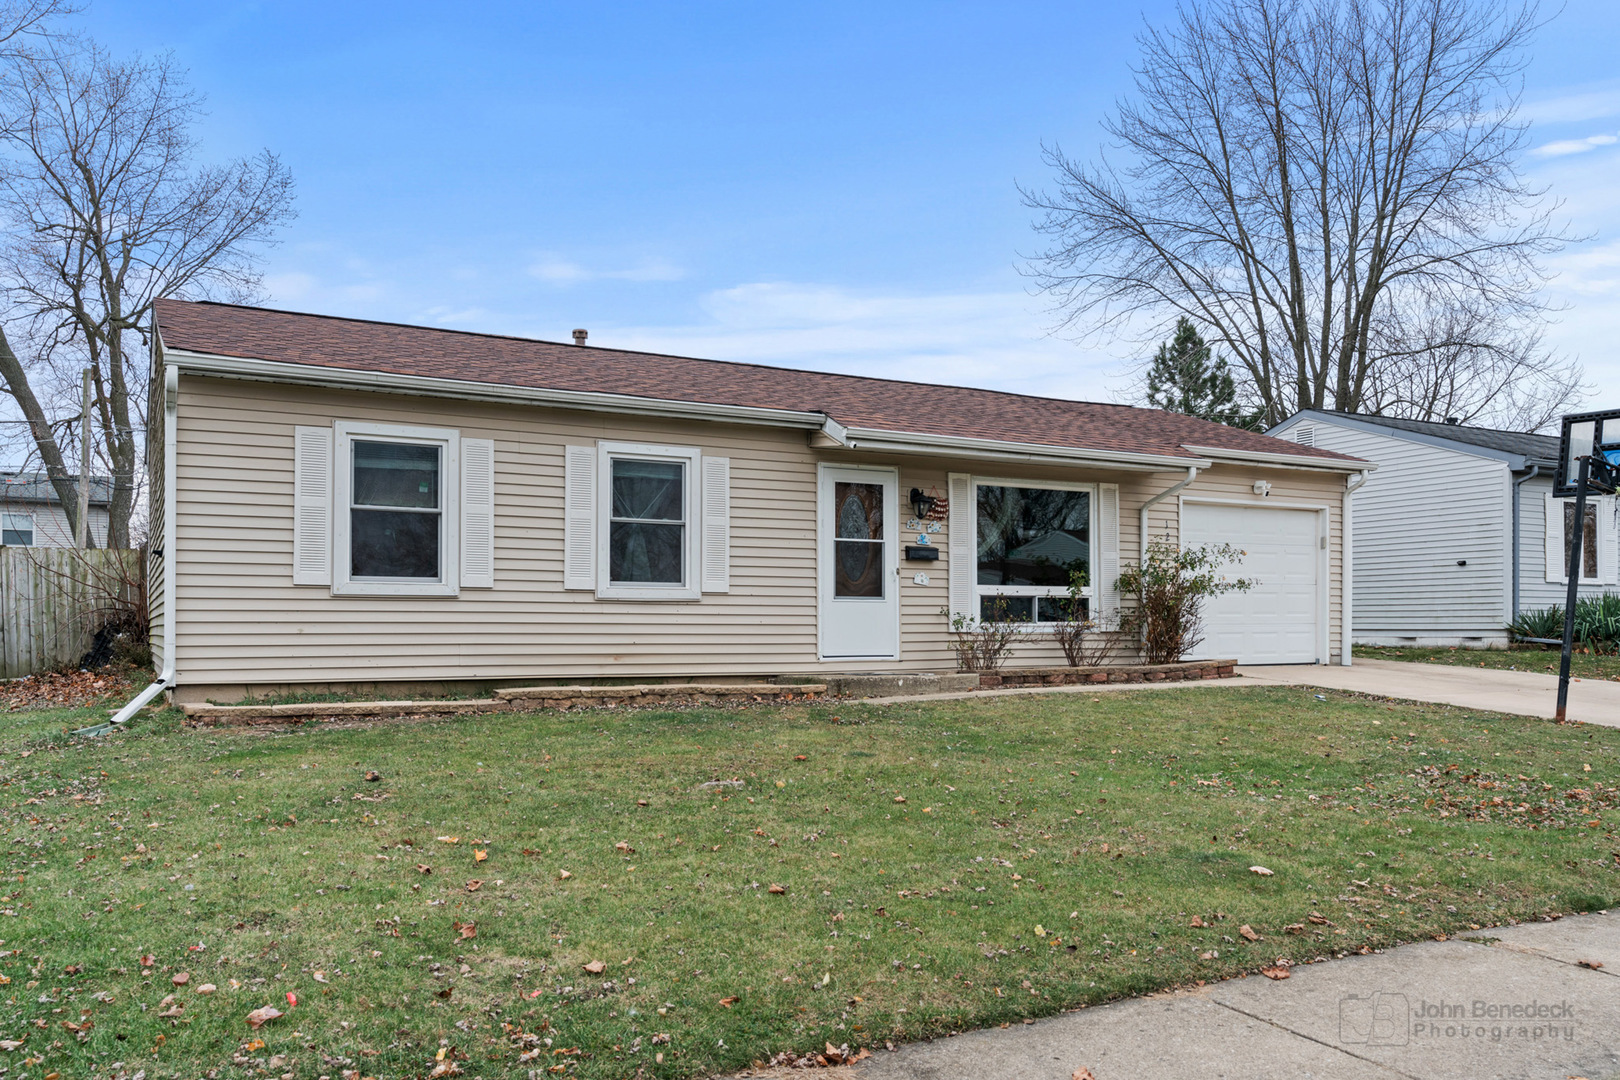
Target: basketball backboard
(1584, 434)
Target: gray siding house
(1457, 531)
(31, 515)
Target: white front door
(1279, 621)
(858, 558)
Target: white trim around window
(446, 509)
(980, 591)
(14, 523)
(662, 521)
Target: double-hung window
(16, 530)
(1600, 564)
(396, 507)
(649, 538)
(1032, 541)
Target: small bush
(982, 644)
(1597, 623)
(1170, 586)
(1085, 638)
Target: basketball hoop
(1588, 462)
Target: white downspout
(1142, 528)
(165, 679)
(1347, 561)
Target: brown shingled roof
(851, 400)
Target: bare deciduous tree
(107, 211)
(1329, 189)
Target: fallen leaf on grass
(1294, 928)
(475, 884)
(446, 992)
(465, 931)
(480, 855)
(260, 1017)
(728, 1002)
(621, 846)
(180, 978)
(563, 875)
(1262, 871)
(596, 967)
(373, 776)
(171, 1012)
(1246, 932)
(1319, 920)
(1197, 923)
(448, 839)
(11, 1044)
(899, 798)
(1276, 972)
(777, 889)
(423, 868)
(801, 757)
(320, 977)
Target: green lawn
(1520, 657)
(944, 866)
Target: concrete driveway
(1522, 693)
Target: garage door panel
(1277, 621)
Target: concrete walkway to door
(1522, 693)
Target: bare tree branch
(1329, 188)
(107, 212)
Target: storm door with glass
(858, 556)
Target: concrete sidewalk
(1521, 693)
(1421, 1012)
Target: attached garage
(1283, 619)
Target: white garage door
(1276, 622)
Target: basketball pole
(1573, 594)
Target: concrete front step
(886, 685)
(516, 699)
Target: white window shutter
(1106, 590)
(1608, 542)
(716, 524)
(477, 513)
(963, 567)
(312, 506)
(579, 518)
(1556, 565)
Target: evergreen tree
(1188, 377)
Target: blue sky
(827, 185)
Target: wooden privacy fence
(53, 600)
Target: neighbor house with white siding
(1458, 530)
(341, 503)
(31, 512)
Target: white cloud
(1565, 147)
(560, 271)
(1574, 107)
(989, 339)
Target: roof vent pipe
(580, 336)
(1454, 421)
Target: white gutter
(1142, 529)
(1518, 538)
(1291, 461)
(165, 679)
(899, 442)
(1347, 574)
(234, 367)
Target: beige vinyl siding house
(253, 581)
